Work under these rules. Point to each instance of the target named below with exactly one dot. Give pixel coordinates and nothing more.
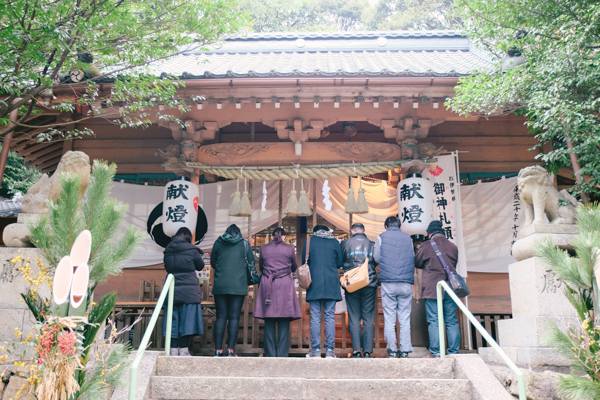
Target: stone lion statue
(540, 198)
(48, 188)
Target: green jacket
(228, 259)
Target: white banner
(492, 216)
(447, 209)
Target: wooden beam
(23, 144)
(117, 155)
(50, 162)
(28, 153)
(51, 168)
(67, 145)
(47, 156)
(141, 169)
(84, 145)
(495, 167)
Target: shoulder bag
(304, 278)
(356, 278)
(252, 275)
(457, 282)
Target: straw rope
(304, 172)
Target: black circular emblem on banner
(158, 235)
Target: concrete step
(315, 368)
(285, 388)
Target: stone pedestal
(537, 300)
(13, 312)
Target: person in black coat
(325, 258)
(183, 259)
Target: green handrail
(480, 328)
(168, 288)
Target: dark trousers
(361, 306)
(181, 342)
(229, 308)
(277, 344)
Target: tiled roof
(401, 53)
(11, 207)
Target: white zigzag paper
(264, 200)
(325, 193)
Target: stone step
(261, 388)
(315, 368)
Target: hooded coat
(183, 259)
(228, 259)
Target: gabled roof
(398, 53)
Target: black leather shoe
(218, 354)
(367, 355)
(356, 354)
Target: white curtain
(492, 215)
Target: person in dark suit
(183, 259)
(325, 258)
(276, 301)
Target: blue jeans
(451, 322)
(315, 323)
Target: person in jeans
(228, 258)
(396, 257)
(361, 303)
(433, 272)
(276, 301)
(183, 259)
(325, 258)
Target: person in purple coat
(276, 301)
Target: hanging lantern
(415, 204)
(180, 206)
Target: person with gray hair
(361, 303)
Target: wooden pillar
(6, 144)
(195, 179)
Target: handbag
(252, 275)
(457, 282)
(304, 278)
(357, 278)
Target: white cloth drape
(492, 215)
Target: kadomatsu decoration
(77, 240)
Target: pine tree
(579, 274)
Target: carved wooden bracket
(195, 130)
(406, 128)
(296, 132)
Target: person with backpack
(228, 258)
(324, 260)
(433, 272)
(396, 257)
(276, 300)
(361, 303)
(183, 259)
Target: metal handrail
(169, 289)
(480, 328)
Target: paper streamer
(325, 193)
(264, 200)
